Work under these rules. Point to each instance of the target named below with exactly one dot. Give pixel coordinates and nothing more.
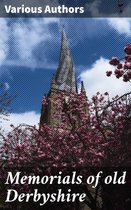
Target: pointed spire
(65, 75)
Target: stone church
(64, 81)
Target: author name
(61, 9)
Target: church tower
(64, 81)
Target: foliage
(122, 69)
(81, 134)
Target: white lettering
(9, 195)
(11, 179)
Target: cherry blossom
(122, 69)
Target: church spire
(65, 75)
(62, 82)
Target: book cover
(65, 105)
